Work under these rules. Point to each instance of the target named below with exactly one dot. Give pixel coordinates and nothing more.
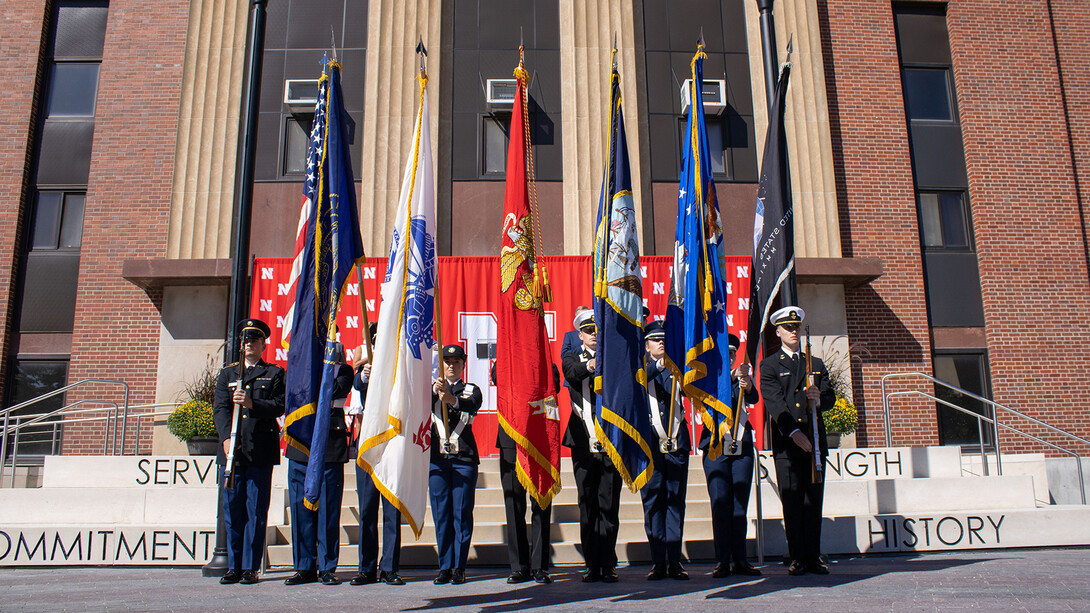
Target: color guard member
(783, 385)
(370, 569)
(664, 494)
(598, 482)
(730, 477)
(316, 535)
(260, 397)
(452, 480)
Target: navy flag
(333, 247)
(773, 224)
(697, 345)
(622, 420)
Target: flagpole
(238, 306)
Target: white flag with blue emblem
(395, 436)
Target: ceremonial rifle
(735, 447)
(817, 474)
(236, 414)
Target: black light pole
(786, 294)
(244, 193)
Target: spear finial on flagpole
(333, 42)
(422, 53)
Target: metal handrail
(5, 413)
(996, 424)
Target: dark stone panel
(938, 156)
(268, 154)
(65, 154)
(953, 289)
(663, 134)
(274, 217)
(736, 207)
(465, 141)
(545, 80)
(355, 24)
(686, 19)
(664, 203)
(81, 31)
(309, 22)
(548, 151)
(477, 216)
(656, 30)
(742, 153)
(465, 24)
(276, 25)
(499, 22)
(49, 292)
(353, 65)
(734, 26)
(546, 25)
(272, 81)
(500, 63)
(303, 64)
(739, 94)
(466, 94)
(662, 90)
(922, 36)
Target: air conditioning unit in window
(714, 94)
(501, 94)
(300, 95)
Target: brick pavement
(996, 580)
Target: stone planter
(832, 439)
(204, 445)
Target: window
(494, 139)
(717, 139)
(944, 220)
(927, 94)
(296, 145)
(72, 90)
(58, 221)
(968, 372)
(30, 379)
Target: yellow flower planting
(842, 417)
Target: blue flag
(622, 421)
(697, 347)
(333, 247)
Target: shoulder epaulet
(231, 365)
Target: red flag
(526, 391)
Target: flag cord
(541, 277)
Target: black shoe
(301, 577)
(249, 577)
(390, 577)
(677, 571)
(797, 568)
(364, 579)
(519, 576)
(745, 568)
(459, 576)
(817, 568)
(231, 576)
(720, 571)
(443, 577)
(609, 575)
(592, 575)
(327, 577)
(542, 576)
(657, 573)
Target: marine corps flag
(395, 435)
(622, 420)
(773, 224)
(333, 247)
(526, 394)
(697, 346)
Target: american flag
(310, 194)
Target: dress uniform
(783, 377)
(664, 494)
(316, 535)
(452, 479)
(598, 482)
(729, 478)
(257, 449)
(370, 570)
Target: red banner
(468, 296)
